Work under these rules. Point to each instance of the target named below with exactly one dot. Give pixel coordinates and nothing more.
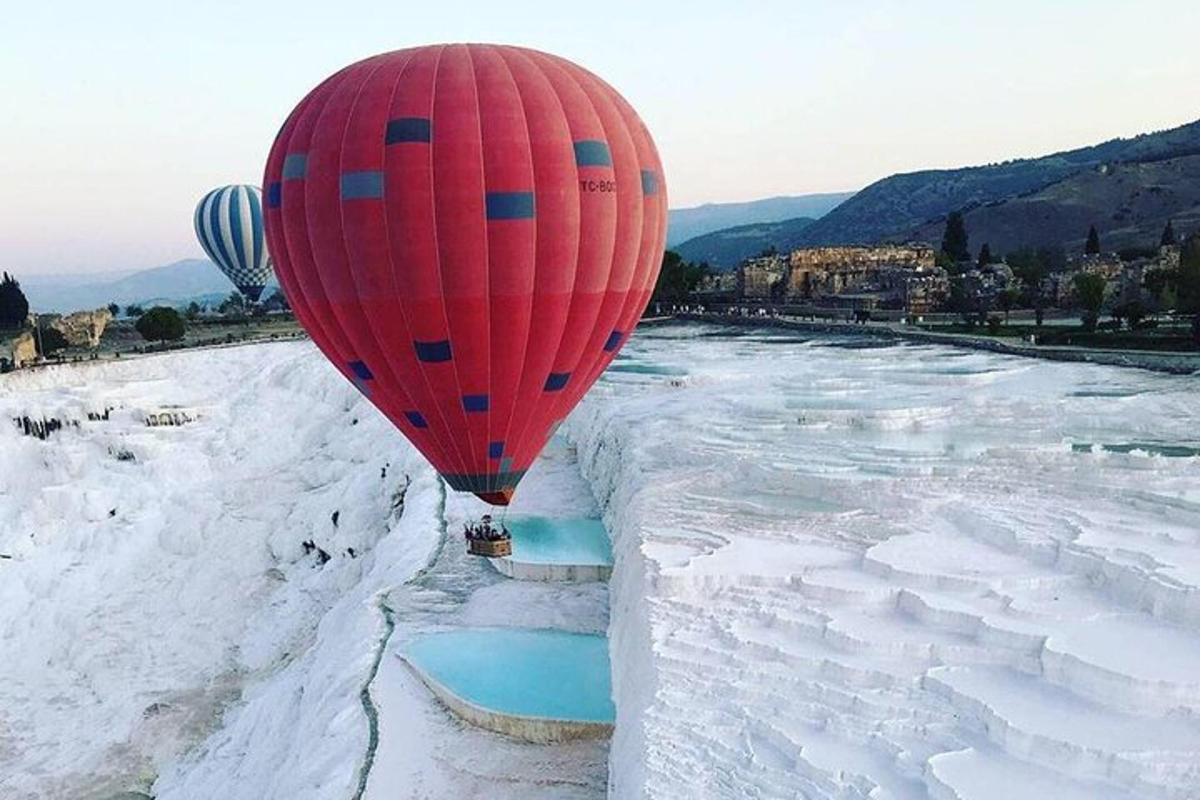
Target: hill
(891, 208)
(725, 249)
(171, 284)
(1129, 203)
(688, 223)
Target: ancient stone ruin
(82, 328)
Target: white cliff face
(897, 572)
(155, 590)
(892, 572)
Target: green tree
(1092, 248)
(161, 324)
(134, 311)
(1132, 313)
(276, 302)
(954, 240)
(234, 304)
(14, 308)
(1090, 288)
(192, 311)
(1028, 267)
(1168, 235)
(1187, 282)
(114, 309)
(678, 279)
(1008, 300)
(985, 255)
(1160, 283)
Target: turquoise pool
(545, 540)
(645, 369)
(530, 673)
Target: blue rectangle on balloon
(614, 339)
(294, 165)
(416, 419)
(407, 129)
(556, 381)
(592, 153)
(274, 194)
(510, 205)
(433, 352)
(360, 371)
(362, 185)
(649, 182)
(495, 449)
(475, 403)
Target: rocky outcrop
(24, 349)
(83, 328)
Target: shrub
(161, 324)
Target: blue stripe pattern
(495, 449)
(274, 194)
(433, 352)
(294, 166)
(229, 225)
(362, 185)
(475, 403)
(416, 419)
(649, 182)
(510, 205)
(407, 129)
(614, 339)
(361, 371)
(592, 153)
(556, 381)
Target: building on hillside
(762, 278)
(925, 290)
(815, 272)
(1061, 285)
(719, 284)
(1132, 286)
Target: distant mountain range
(1127, 188)
(688, 223)
(1128, 202)
(901, 206)
(725, 249)
(172, 284)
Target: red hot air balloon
(469, 232)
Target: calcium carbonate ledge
(1156, 361)
(556, 573)
(539, 730)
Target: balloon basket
(490, 548)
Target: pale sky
(119, 115)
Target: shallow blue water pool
(645, 369)
(545, 540)
(531, 673)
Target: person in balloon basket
(485, 531)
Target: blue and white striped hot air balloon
(229, 225)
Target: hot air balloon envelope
(229, 225)
(469, 233)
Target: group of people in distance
(485, 530)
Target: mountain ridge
(725, 249)
(894, 206)
(688, 223)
